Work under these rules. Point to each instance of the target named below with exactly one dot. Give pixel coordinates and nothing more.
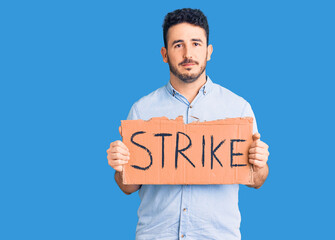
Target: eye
(196, 44)
(177, 45)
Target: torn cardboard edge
(165, 151)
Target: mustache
(188, 61)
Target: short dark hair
(187, 15)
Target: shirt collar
(205, 89)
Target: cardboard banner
(164, 151)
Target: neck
(188, 90)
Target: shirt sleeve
(247, 112)
(133, 114)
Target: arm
(118, 155)
(259, 176)
(127, 189)
(258, 157)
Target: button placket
(189, 114)
(184, 216)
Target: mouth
(187, 64)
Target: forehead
(185, 31)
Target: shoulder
(235, 105)
(150, 104)
(152, 98)
(227, 96)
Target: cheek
(204, 55)
(174, 60)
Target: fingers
(120, 150)
(257, 163)
(118, 155)
(117, 163)
(256, 136)
(259, 157)
(258, 152)
(259, 143)
(120, 144)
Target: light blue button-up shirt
(172, 212)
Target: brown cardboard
(144, 140)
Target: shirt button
(182, 236)
(185, 209)
(191, 106)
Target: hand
(258, 152)
(118, 155)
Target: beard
(187, 77)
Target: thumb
(256, 136)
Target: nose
(187, 52)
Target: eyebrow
(197, 40)
(193, 39)
(177, 41)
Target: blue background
(70, 71)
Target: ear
(164, 54)
(209, 51)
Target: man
(189, 211)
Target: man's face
(187, 52)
